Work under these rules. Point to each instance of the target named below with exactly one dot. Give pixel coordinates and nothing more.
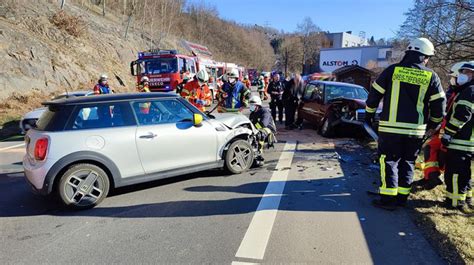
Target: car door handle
(148, 136)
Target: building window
(388, 55)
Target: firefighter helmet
(202, 76)
(233, 73)
(145, 79)
(467, 66)
(255, 100)
(421, 45)
(103, 77)
(454, 71)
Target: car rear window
(101, 115)
(53, 118)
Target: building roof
(358, 47)
(350, 68)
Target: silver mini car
(82, 147)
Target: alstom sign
(332, 59)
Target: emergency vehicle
(165, 68)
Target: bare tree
(448, 24)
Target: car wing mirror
(197, 119)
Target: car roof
(110, 97)
(335, 83)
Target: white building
(331, 59)
(346, 39)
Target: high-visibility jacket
(234, 96)
(102, 89)
(192, 92)
(459, 120)
(143, 88)
(260, 85)
(412, 97)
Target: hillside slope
(37, 55)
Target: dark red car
(334, 105)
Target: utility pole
(62, 3)
(286, 61)
(103, 8)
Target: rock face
(36, 54)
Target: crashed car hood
(232, 120)
(35, 114)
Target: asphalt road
(306, 205)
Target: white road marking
(258, 233)
(11, 147)
(243, 263)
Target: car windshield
(341, 91)
(159, 66)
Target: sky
(378, 18)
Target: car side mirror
(197, 119)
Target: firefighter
(179, 87)
(413, 106)
(234, 95)
(261, 87)
(144, 84)
(197, 92)
(247, 81)
(263, 121)
(458, 139)
(102, 86)
(433, 164)
(276, 89)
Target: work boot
(389, 205)
(402, 200)
(432, 183)
(259, 161)
(420, 183)
(469, 203)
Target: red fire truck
(164, 68)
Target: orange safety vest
(192, 91)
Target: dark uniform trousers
(457, 177)
(397, 164)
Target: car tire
(83, 186)
(326, 130)
(239, 157)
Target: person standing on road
(263, 121)
(247, 81)
(275, 89)
(458, 139)
(290, 100)
(234, 96)
(197, 92)
(102, 86)
(144, 84)
(261, 87)
(433, 154)
(413, 106)
(266, 81)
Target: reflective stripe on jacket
(412, 97)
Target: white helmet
(246, 76)
(421, 45)
(454, 71)
(145, 79)
(233, 73)
(255, 100)
(103, 77)
(202, 76)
